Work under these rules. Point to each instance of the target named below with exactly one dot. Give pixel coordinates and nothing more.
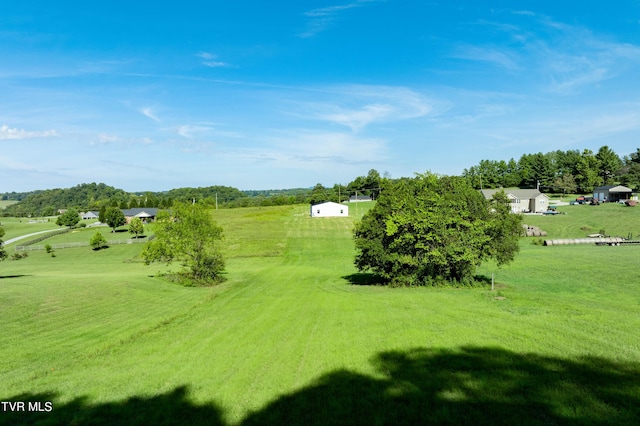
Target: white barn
(329, 209)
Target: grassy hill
(292, 337)
(6, 203)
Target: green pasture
(296, 336)
(580, 220)
(15, 227)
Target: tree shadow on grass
(13, 276)
(465, 386)
(172, 408)
(364, 278)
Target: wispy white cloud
(104, 139)
(305, 148)
(8, 133)
(210, 60)
(190, 131)
(562, 57)
(502, 58)
(357, 119)
(149, 113)
(358, 106)
(321, 18)
(216, 64)
(523, 12)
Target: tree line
(98, 197)
(570, 171)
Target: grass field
(293, 337)
(15, 227)
(6, 203)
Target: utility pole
(216, 201)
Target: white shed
(329, 209)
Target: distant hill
(93, 196)
(223, 193)
(82, 197)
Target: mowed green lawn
(295, 337)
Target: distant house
(329, 209)
(89, 215)
(146, 214)
(522, 200)
(359, 198)
(612, 193)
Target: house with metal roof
(146, 214)
(612, 193)
(89, 215)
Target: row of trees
(99, 197)
(559, 171)
(369, 186)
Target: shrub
(98, 241)
(19, 255)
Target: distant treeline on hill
(559, 171)
(94, 196)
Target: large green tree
(435, 228)
(319, 194)
(114, 218)
(630, 172)
(191, 236)
(609, 164)
(587, 171)
(69, 218)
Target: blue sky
(146, 95)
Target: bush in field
(19, 255)
(98, 241)
(69, 218)
(190, 236)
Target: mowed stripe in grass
(288, 333)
